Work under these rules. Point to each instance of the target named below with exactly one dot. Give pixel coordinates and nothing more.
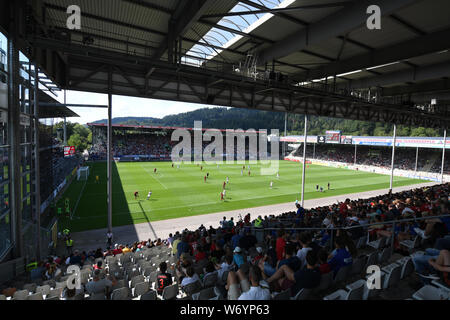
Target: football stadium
(259, 150)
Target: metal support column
(285, 132)
(417, 157)
(109, 151)
(65, 123)
(393, 157)
(443, 156)
(37, 174)
(314, 150)
(354, 162)
(304, 161)
(14, 133)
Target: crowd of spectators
(405, 158)
(254, 263)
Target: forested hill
(235, 118)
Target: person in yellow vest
(126, 249)
(258, 222)
(69, 245)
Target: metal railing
(364, 226)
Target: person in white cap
(238, 258)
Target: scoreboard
(333, 136)
(69, 151)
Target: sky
(123, 106)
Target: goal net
(83, 173)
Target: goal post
(83, 173)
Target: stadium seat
(284, 295)
(393, 272)
(31, 287)
(205, 294)
(210, 280)
(192, 288)
(170, 292)
(45, 289)
(407, 266)
(441, 284)
(411, 244)
(326, 280)
(120, 294)
(358, 265)
(149, 295)
(302, 294)
(135, 280)
(55, 293)
(141, 288)
(52, 298)
(428, 292)
(354, 291)
(343, 274)
(20, 295)
(370, 293)
(361, 242)
(152, 277)
(2, 297)
(61, 285)
(384, 255)
(35, 296)
(372, 259)
(377, 244)
(51, 283)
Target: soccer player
(97, 179)
(205, 179)
(278, 175)
(149, 194)
(321, 189)
(207, 174)
(271, 184)
(328, 186)
(136, 195)
(172, 165)
(317, 187)
(154, 170)
(249, 173)
(201, 168)
(221, 196)
(224, 184)
(228, 179)
(224, 192)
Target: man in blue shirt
(341, 256)
(182, 246)
(238, 258)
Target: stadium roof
(55, 111)
(335, 65)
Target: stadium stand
(321, 253)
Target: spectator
(163, 279)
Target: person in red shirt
(221, 196)
(281, 244)
(154, 170)
(117, 250)
(224, 184)
(204, 178)
(200, 254)
(322, 256)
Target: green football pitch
(180, 192)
